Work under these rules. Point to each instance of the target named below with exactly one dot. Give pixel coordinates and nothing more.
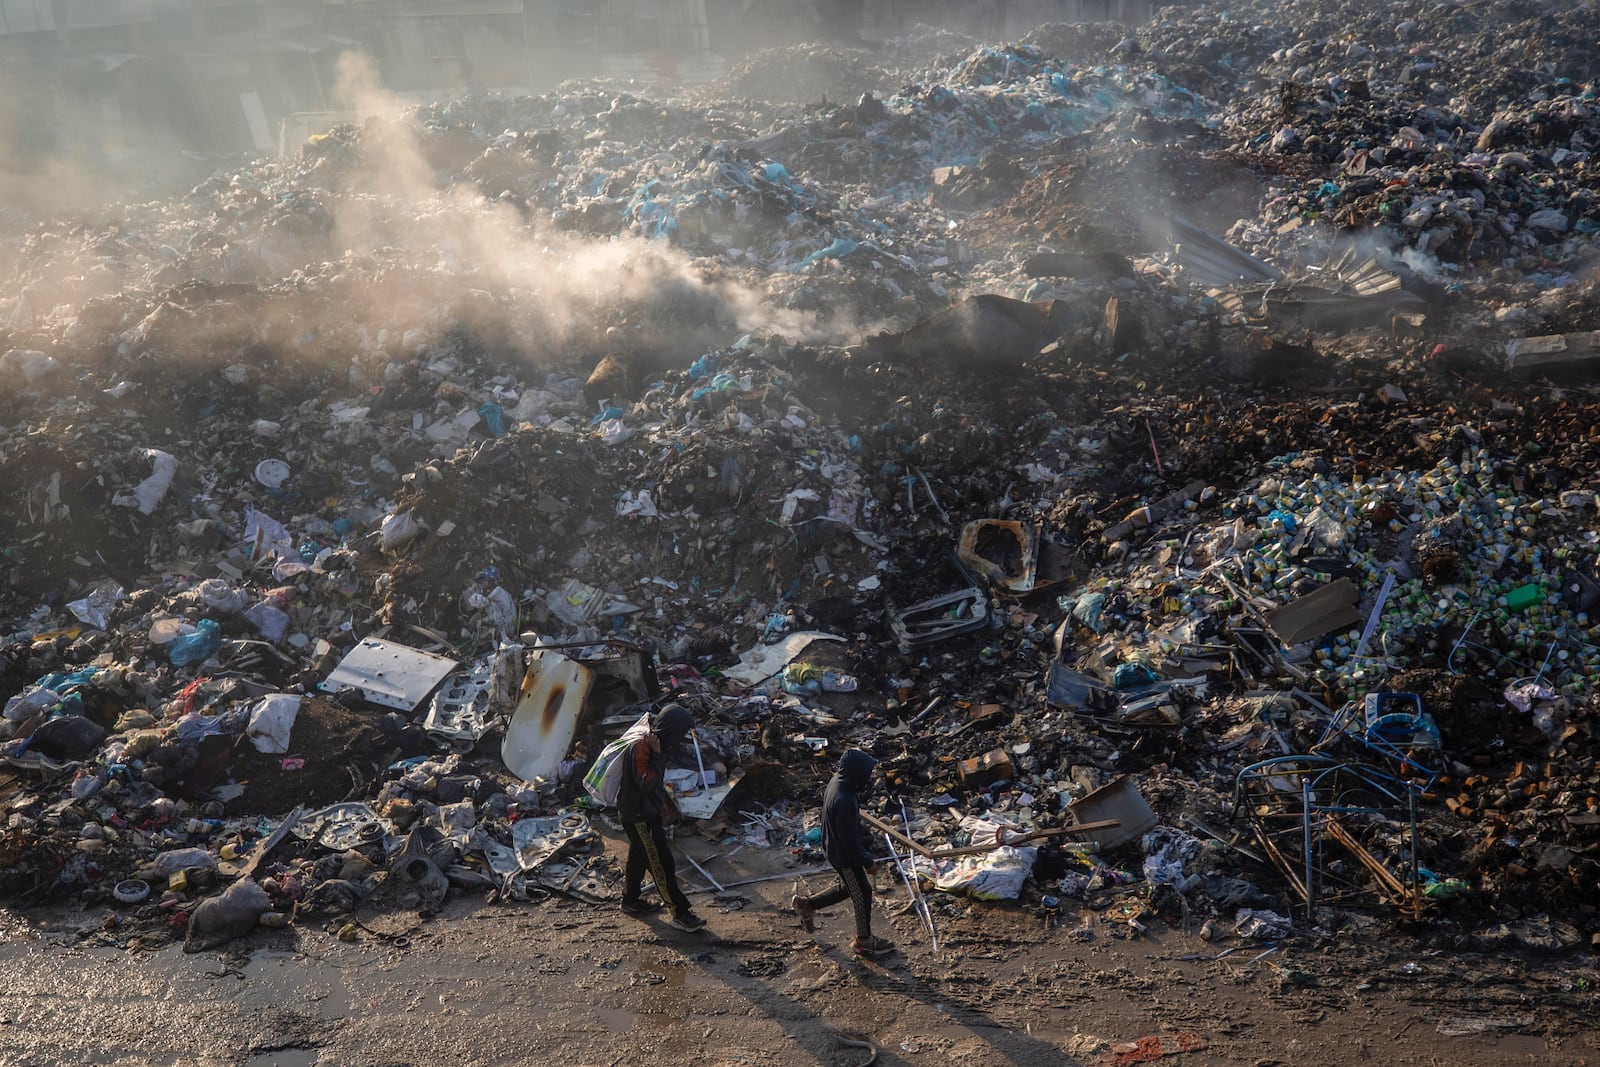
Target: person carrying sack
(642, 806)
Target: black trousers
(647, 847)
(854, 886)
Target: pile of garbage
(1164, 450)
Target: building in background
(113, 77)
(440, 46)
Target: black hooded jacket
(843, 840)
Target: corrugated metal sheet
(1363, 274)
(1209, 260)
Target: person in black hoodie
(849, 852)
(642, 805)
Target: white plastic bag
(148, 493)
(498, 606)
(636, 503)
(271, 719)
(604, 780)
(399, 530)
(1168, 852)
(30, 702)
(271, 621)
(220, 597)
(1262, 925)
(613, 432)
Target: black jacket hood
(671, 725)
(855, 769)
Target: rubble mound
(1152, 182)
(1169, 450)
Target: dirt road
(570, 983)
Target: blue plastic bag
(61, 681)
(703, 367)
(195, 647)
(493, 418)
(841, 246)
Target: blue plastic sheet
(722, 383)
(841, 247)
(1088, 610)
(196, 647)
(702, 367)
(61, 681)
(1133, 675)
(493, 417)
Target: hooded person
(849, 852)
(642, 806)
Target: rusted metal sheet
(1006, 553)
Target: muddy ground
(566, 982)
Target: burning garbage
(1180, 487)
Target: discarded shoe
(808, 914)
(872, 946)
(640, 906)
(687, 921)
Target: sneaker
(808, 914)
(687, 920)
(872, 946)
(640, 906)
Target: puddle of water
(627, 1020)
(336, 1005)
(1519, 1046)
(289, 1057)
(617, 1020)
(273, 978)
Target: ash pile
(1166, 447)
